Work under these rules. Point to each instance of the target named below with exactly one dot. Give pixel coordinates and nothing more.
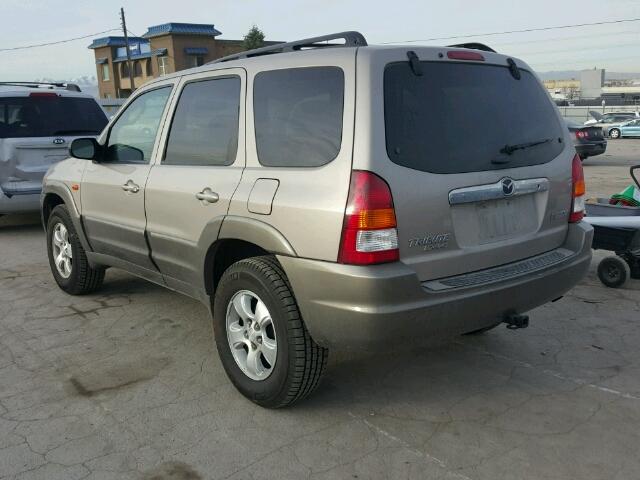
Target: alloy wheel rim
(251, 335)
(62, 251)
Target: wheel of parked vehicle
(67, 258)
(262, 341)
(614, 133)
(613, 272)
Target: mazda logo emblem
(508, 187)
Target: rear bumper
(19, 203)
(365, 308)
(591, 149)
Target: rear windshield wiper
(510, 149)
(76, 132)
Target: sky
(614, 47)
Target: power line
(24, 47)
(526, 30)
(565, 38)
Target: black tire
(615, 133)
(300, 362)
(83, 278)
(613, 272)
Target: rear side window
(204, 130)
(49, 116)
(298, 116)
(458, 117)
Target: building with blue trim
(163, 49)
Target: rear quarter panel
(308, 207)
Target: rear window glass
(49, 116)
(298, 116)
(458, 117)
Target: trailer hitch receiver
(515, 321)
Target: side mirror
(84, 148)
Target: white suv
(37, 124)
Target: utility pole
(126, 42)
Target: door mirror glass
(84, 148)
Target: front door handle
(208, 196)
(131, 187)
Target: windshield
(49, 116)
(461, 117)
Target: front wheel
(614, 133)
(263, 343)
(67, 258)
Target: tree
(253, 39)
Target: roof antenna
(513, 68)
(414, 61)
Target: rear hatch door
(35, 132)
(478, 162)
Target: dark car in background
(588, 139)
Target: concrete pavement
(126, 384)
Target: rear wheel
(262, 341)
(67, 258)
(613, 272)
(614, 133)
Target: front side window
(133, 134)
(204, 130)
(298, 116)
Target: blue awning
(100, 61)
(137, 56)
(196, 50)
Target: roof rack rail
(72, 87)
(351, 39)
(474, 46)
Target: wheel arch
(240, 238)
(54, 194)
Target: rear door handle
(208, 196)
(131, 187)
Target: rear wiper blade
(510, 149)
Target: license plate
(503, 219)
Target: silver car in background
(37, 124)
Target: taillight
(369, 234)
(582, 134)
(579, 191)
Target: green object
(629, 196)
(253, 39)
